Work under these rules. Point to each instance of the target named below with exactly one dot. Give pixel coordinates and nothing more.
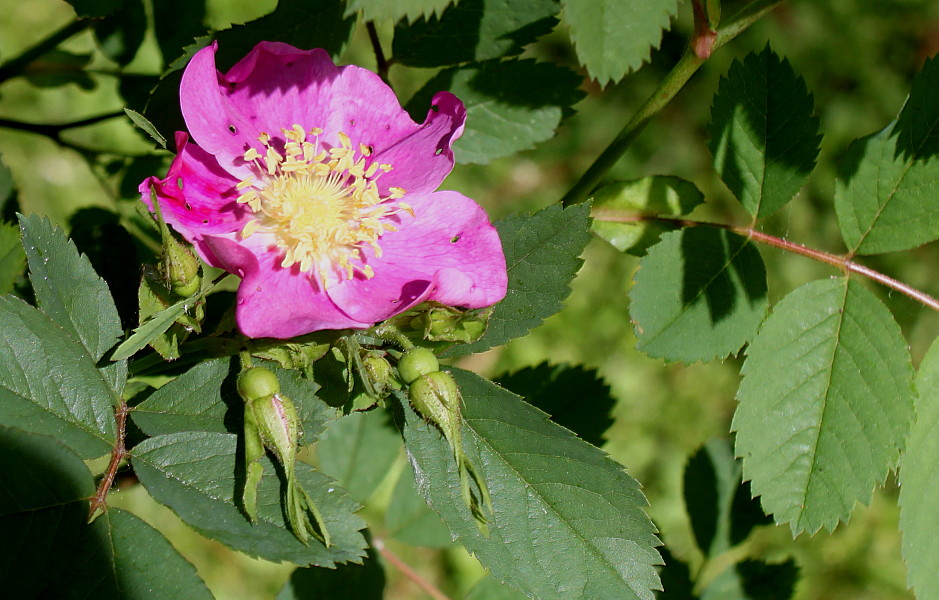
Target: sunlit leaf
(382, 10)
(357, 450)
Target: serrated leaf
(121, 33)
(382, 10)
(489, 588)
(676, 579)
(888, 182)
(152, 329)
(821, 438)
(550, 491)
(196, 474)
(67, 287)
(176, 23)
(205, 398)
(542, 255)
(93, 9)
(763, 134)
(50, 552)
(49, 383)
(510, 105)
(711, 477)
(148, 127)
(361, 582)
(700, 294)
(358, 450)
(474, 30)
(754, 580)
(919, 483)
(576, 398)
(614, 37)
(12, 257)
(410, 521)
(620, 208)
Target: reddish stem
(842, 262)
(702, 42)
(407, 571)
(99, 502)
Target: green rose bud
(417, 362)
(256, 383)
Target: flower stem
(843, 263)
(16, 66)
(379, 53)
(99, 503)
(676, 79)
(407, 571)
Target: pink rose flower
(312, 184)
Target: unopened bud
(279, 425)
(256, 383)
(437, 398)
(379, 372)
(416, 362)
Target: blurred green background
(858, 58)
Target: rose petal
(449, 253)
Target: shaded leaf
(120, 34)
(658, 195)
(199, 475)
(550, 490)
(614, 37)
(821, 438)
(59, 67)
(754, 580)
(474, 30)
(176, 23)
(676, 579)
(700, 294)
(711, 477)
(362, 582)
(358, 450)
(573, 396)
(67, 287)
(763, 134)
(382, 10)
(50, 552)
(888, 182)
(510, 105)
(151, 329)
(12, 257)
(6, 188)
(94, 8)
(919, 483)
(205, 398)
(49, 383)
(542, 255)
(410, 521)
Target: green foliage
(357, 450)
(176, 23)
(754, 580)
(763, 134)
(700, 294)
(362, 582)
(658, 195)
(12, 257)
(95, 8)
(574, 397)
(195, 473)
(888, 181)
(542, 255)
(409, 520)
(510, 105)
(489, 588)
(614, 37)
(121, 33)
(919, 483)
(550, 491)
(148, 127)
(474, 30)
(61, 67)
(50, 551)
(382, 10)
(820, 438)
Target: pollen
(320, 205)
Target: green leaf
(711, 477)
(148, 127)
(474, 30)
(825, 403)
(550, 491)
(50, 552)
(67, 287)
(510, 105)
(204, 398)
(12, 257)
(382, 10)
(763, 134)
(700, 294)
(754, 580)
(574, 397)
(93, 9)
(542, 255)
(59, 67)
(676, 579)
(358, 450)
(410, 521)
(362, 582)
(888, 182)
(7, 189)
(121, 33)
(614, 37)
(176, 23)
(49, 383)
(619, 208)
(919, 483)
(196, 474)
(489, 588)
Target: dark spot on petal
(289, 63)
(454, 239)
(351, 122)
(371, 149)
(394, 301)
(434, 108)
(232, 129)
(188, 206)
(387, 127)
(258, 288)
(438, 152)
(205, 221)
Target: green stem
(16, 66)
(382, 62)
(667, 90)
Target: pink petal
(197, 197)
(449, 253)
(273, 301)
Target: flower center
(321, 205)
